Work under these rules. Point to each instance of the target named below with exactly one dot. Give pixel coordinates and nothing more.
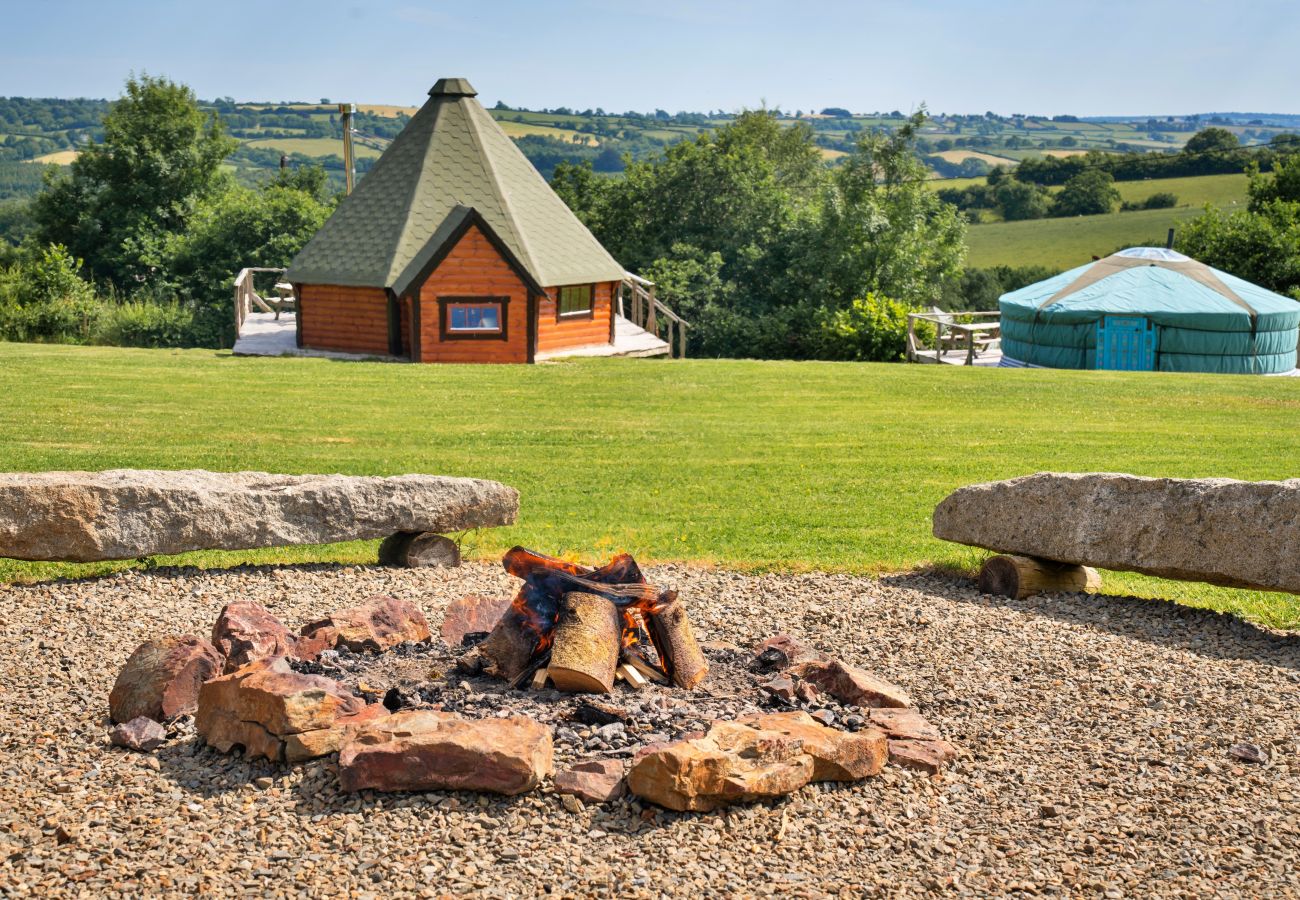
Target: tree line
(136, 242)
(1211, 151)
(770, 254)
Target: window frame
(588, 313)
(447, 333)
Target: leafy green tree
(1089, 193)
(239, 228)
(880, 229)
(1212, 140)
(1260, 243)
(160, 158)
(1018, 200)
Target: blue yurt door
(1126, 343)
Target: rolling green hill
(1066, 243)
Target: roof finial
(452, 87)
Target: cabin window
(473, 317)
(575, 301)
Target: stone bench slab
(1234, 533)
(130, 513)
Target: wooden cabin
(453, 248)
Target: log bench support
(418, 550)
(1019, 577)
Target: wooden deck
(629, 341)
(261, 334)
(958, 357)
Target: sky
(1083, 57)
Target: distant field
(59, 157)
(313, 146)
(1065, 243)
(388, 112)
(522, 129)
(960, 156)
(1219, 190)
(940, 183)
(1062, 152)
(828, 153)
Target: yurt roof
(1152, 282)
(451, 159)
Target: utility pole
(345, 112)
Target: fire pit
(692, 726)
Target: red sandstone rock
(161, 679)
(928, 756)
(311, 744)
(757, 757)
(903, 724)
(423, 750)
(379, 623)
(792, 650)
(473, 612)
(594, 781)
(140, 733)
(851, 685)
(732, 763)
(246, 631)
(315, 638)
(259, 706)
(781, 687)
(837, 755)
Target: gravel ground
(1095, 732)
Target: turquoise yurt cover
(1201, 319)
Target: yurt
(1150, 309)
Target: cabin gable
(451, 310)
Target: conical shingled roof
(451, 156)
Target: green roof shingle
(451, 155)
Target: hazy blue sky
(1086, 57)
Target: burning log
(670, 632)
(585, 644)
(506, 652)
(584, 624)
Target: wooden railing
(955, 333)
(645, 310)
(246, 296)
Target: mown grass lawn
(752, 464)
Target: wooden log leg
(1023, 576)
(587, 643)
(670, 631)
(416, 550)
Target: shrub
(870, 329)
(1159, 200)
(43, 299)
(141, 324)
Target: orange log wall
(351, 319)
(568, 333)
(474, 268)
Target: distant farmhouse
(454, 249)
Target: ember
(584, 628)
